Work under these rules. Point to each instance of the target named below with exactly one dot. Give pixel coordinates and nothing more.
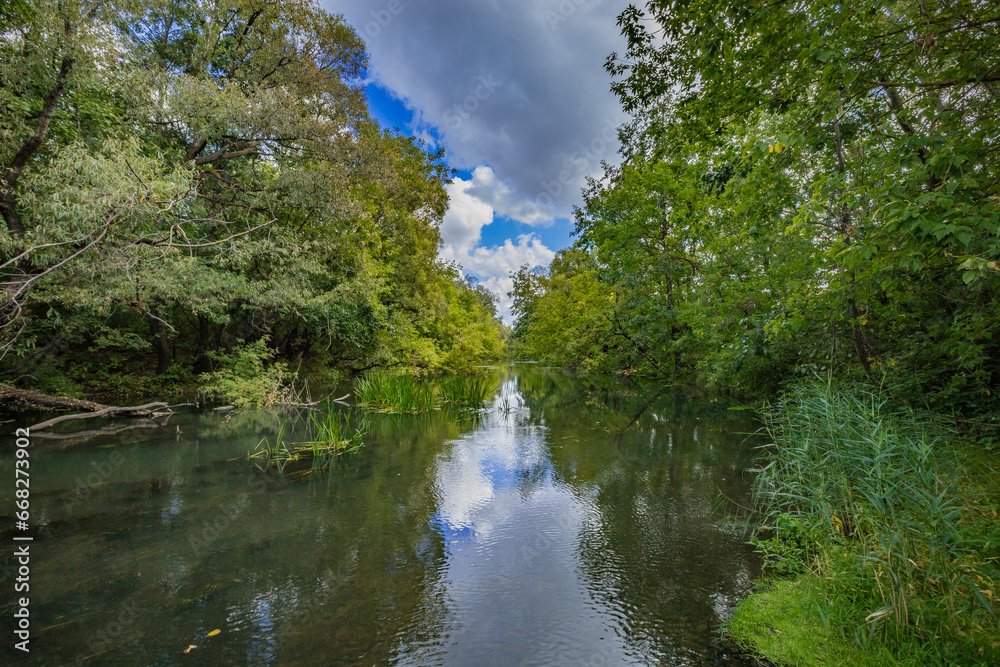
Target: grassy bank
(883, 530)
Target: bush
(248, 377)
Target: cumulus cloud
(517, 85)
(461, 231)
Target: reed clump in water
(871, 506)
(330, 435)
(393, 393)
(467, 390)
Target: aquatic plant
(467, 390)
(393, 393)
(330, 435)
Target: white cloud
(461, 231)
(465, 218)
(518, 85)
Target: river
(570, 522)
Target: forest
(194, 188)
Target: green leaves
(237, 185)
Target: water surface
(571, 522)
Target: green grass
(393, 393)
(467, 390)
(787, 624)
(893, 546)
(384, 392)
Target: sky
(516, 92)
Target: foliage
(187, 177)
(791, 546)
(879, 509)
(804, 187)
(247, 378)
(564, 315)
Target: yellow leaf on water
(213, 633)
(188, 649)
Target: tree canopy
(805, 187)
(182, 177)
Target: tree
(207, 175)
(877, 123)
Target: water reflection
(543, 566)
(571, 522)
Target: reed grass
(330, 435)
(872, 501)
(393, 393)
(467, 390)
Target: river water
(570, 522)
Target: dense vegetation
(806, 187)
(890, 530)
(196, 187)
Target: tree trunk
(201, 361)
(161, 344)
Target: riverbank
(881, 536)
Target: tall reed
(881, 486)
(467, 390)
(393, 393)
(330, 435)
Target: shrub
(873, 497)
(248, 377)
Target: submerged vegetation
(895, 538)
(331, 434)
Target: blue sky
(391, 112)
(517, 95)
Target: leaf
(188, 649)
(213, 633)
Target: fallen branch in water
(12, 398)
(64, 440)
(147, 410)
(24, 400)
